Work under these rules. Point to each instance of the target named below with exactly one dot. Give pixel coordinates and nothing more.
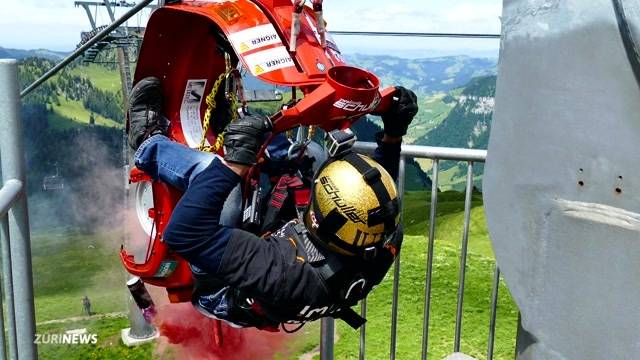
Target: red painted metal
(180, 45)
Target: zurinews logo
(71, 337)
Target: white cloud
(56, 24)
(51, 24)
(475, 16)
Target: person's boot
(145, 105)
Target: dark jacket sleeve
(388, 155)
(261, 268)
(194, 230)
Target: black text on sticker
(264, 39)
(278, 62)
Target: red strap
(302, 197)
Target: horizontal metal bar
(99, 36)
(430, 152)
(416, 34)
(9, 194)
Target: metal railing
(436, 154)
(14, 225)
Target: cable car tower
(124, 40)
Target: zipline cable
(416, 34)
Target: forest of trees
(79, 153)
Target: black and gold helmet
(354, 206)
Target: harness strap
(351, 317)
(279, 195)
(388, 208)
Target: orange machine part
(180, 48)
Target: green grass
(69, 265)
(480, 267)
(109, 345)
(102, 77)
(74, 110)
(59, 122)
(271, 107)
(432, 112)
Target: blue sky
(56, 25)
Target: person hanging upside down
(308, 264)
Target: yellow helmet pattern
(354, 206)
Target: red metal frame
(179, 45)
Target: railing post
(327, 329)
(7, 283)
(12, 157)
(429, 267)
(363, 330)
(494, 312)
(396, 267)
(463, 256)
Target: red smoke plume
(195, 338)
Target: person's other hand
(404, 107)
(243, 139)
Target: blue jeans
(177, 165)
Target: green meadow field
(69, 265)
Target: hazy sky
(56, 24)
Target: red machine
(276, 41)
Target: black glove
(243, 139)
(404, 108)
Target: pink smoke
(193, 336)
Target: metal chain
(211, 106)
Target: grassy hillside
(103, 78)
(480, 266)
(425, 76)
(79, 115)
(68, 265)
(433, 110)
(76, 96)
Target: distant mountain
(456, 105)
(467, 125)
(23, 54)
(469, 122)
(425, 76)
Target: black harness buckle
(339, 141)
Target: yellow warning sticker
(255, 38)
(269, 60)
